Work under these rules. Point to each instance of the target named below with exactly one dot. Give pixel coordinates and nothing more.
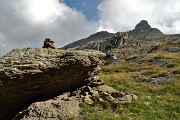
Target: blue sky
(88, 7)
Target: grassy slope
(163, 100)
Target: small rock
(134, 97)
(88, 100)
(150, 58)
(107, 97)
(65, 97)
(159, 80)
(122, 93)
(94, 93)
(105, 88)
(75, 93)
(129, 118)
(173, 49)
(176, 41)
(147, 98)
(159, 97)
(85, 90)
(160, 62)
(101, 100)
(97, 83)
(96, 77)
(127, 98)
(147, 103)
(140, 78)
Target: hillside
(155, 79)
(142, 31)
(141, 40)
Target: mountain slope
(142, 31)
(95, 37)
(140, 40)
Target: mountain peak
(144, 31)
(143, 26)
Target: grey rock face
(173, 50)
(28, 75)
(160, 79)
(144, 31)
(143, 26)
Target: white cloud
(26, 23)
(123, 15)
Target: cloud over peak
(116, 15)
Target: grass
(161, 55)
(164, 103)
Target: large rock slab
(53, 109)
(29, 75)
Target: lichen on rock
(28, 75)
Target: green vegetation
(155, 102)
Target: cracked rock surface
(28, 75)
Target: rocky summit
(28, 75)
(144, 31)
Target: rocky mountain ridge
(140, 40)
(95, 37)
(141, 37)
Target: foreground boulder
(29, 75)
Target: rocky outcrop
(117, 41)
(121, 44)
(29, 75)
(144, 31)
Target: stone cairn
(48, 43)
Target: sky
(26, 23)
